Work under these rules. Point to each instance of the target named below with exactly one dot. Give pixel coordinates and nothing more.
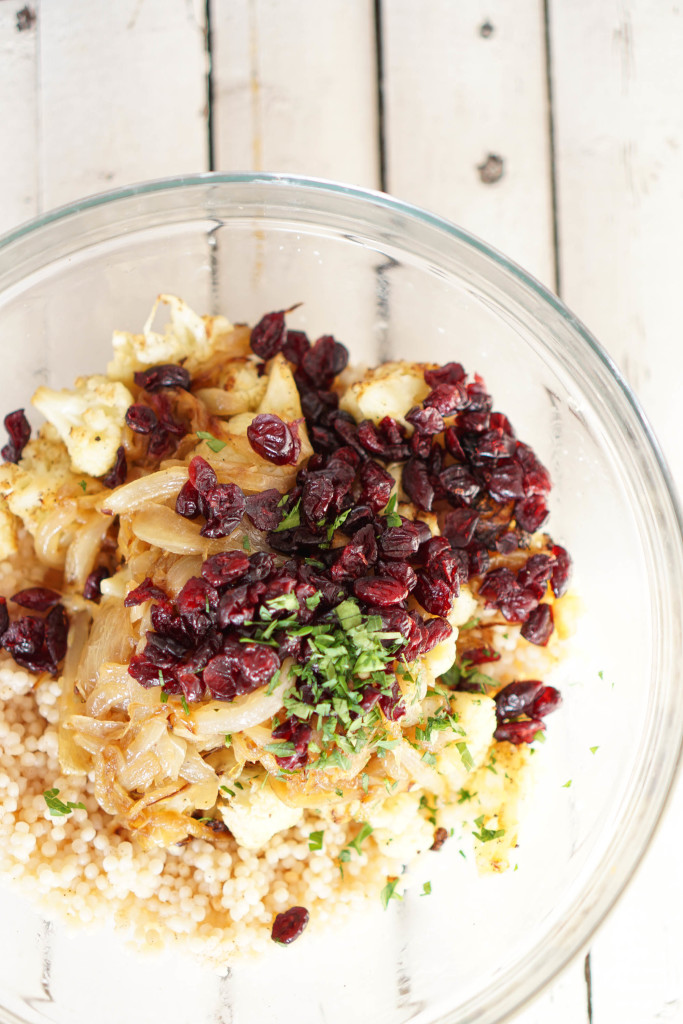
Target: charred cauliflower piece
(391, 389)
(254, 814)
(89, 420)
(31, 487)
(185, 334)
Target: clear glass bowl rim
(529, 984)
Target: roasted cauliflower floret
(185, 334)
(31, 487)
(89, 420)
(400, 831)
(254, 814)
(8, 530)
(388, 390)
(476, 718)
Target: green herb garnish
(82, 484)
(211, 442)
(426, 889)
(57, 807)
(389, 893)
(291, 519)
(315, 840)
(465, 755)
(392, 516)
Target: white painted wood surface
(96, 94)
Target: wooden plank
(619, 147)
(295, 88)
(619, 131)
(18, 110)
(122, 94)
(465, 88)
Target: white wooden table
(551, 128)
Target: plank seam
(210, 87)
(381, 113)
(557, 275)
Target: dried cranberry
(118, 472)
(264, 509)
(382, 591)
(531, 513)
(504, 482)
(202, 475)
(24, 637)
(417, 485)
(492, 444)
(479, 559)
(56, 633)
(4, 616)
(236, 607)
(435, 632)
(400, 542)
(451, 567)
(166, 621)
(536, 477)
(268, 335)
(148, 674)
(549, 699)
(507, 542)
(433, 594)
(358, 517)
(446, 398)
(500, 422)
(187, 502)
(260, 567)
(459, 483)
(146, 591)
(19, 430)
(295, 346)
(426, 421)
(501, 589)
(225, 567)
(449, 373)
(271, 438)
(453, 444)
(519, 732)
(197, 595)
(369, 437)
(163, 651)
(324, 360)
(459, 526)
(317, 497)
(476, 422)
(355, 557)
(223, 507)
(392, 704)
(559, 581)
(401, 571)
(535, 573)
(38, 599)
(479, 655)
(169, 375)
(376, 485)
(440, 837)
(240, 669)
(289, 925)
(517, 699)
(141, 419)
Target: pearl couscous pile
(288, 629)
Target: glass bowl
(393, 281)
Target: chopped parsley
(593, 749)
(82, 484)
(183, 701)
(315, 840)
(390, 513)
(291, 519)
(539, 737)
(211, 442)
(364, 780)
(465, 755)
(465, 795)
(246, 544)
(365, 831)
(464, 672)
(471, 623)
(567, 784)
(163, 696)
(485, 835)
(389, 893)
(601, 674)
(57, 807)
(426, 889)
